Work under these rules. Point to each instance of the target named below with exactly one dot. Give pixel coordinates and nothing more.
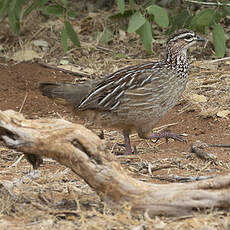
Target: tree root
(85, 153)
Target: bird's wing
(107, 93)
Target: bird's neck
(177, 59)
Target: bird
(135, 98)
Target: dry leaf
(209, 112)
(223, 113)
(26, 55)
(64, 62)
(198, 98)
(41, 43)
(122, 34)
(77, 69)
(209, 66)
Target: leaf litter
(58, 199)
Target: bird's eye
(188, 37)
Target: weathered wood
(81, 150)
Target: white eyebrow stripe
(182, 35)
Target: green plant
(15, 12)
(141, 18)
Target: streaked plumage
(133, 98)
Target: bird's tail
(65, 93)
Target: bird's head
(181, 40)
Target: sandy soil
(54, 197)
(56, 185)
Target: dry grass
(57, 199)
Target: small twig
(4, 64)
(164, 126)
(150, 169)
(128, 156)
(17, 161)
(64, 70)
(167, 166)
(104, 49)
(220, 145)
(35, 35)
(218, 60)
(182, 179)
(23, 103)
(198, 147)
(206, 166)
(208, 3)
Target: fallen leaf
(223, 113)
(77, 69)
(209, 112)
(64, 62)
(41, 43)
(122, 34)
(198, 98)
(25, 55)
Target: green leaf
(3, 7)
(219, 40)
(206, 17)
(72, 34)
(14, 23)
(40, 3)
(131, 3)
(64, 3)
(127, 14)
(136, 21)
(180, 19)
(14, 13)
(160, 15)
(226, 10)
(64, 39)
(29, 9)
(71, 13)
(106, 36)
(18, 8)
(56, 10)
(121, 5)
(145, 32)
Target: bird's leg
(167, 135)
(163, 134)
(128, 148)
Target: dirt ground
(19, 83)
(55, 198)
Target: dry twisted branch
(79, 149)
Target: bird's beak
(199, 39)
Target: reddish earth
(19, 82)
(58, 199)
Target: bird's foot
(128, 149)
(167, 135)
